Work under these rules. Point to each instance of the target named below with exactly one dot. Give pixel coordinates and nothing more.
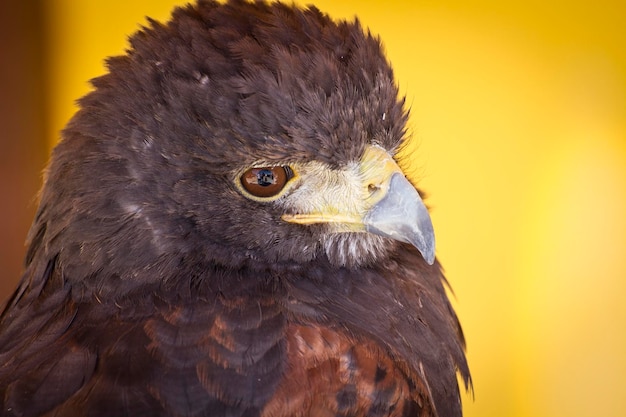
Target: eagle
(224, 230)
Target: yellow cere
(344, 196)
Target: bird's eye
(266, 181)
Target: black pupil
(265, 177)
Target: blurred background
(518, 135)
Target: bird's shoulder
(249, 349)
(153, 354)
(330, 372)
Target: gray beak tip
(402, 215)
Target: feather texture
(153, 287)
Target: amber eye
(266, 181)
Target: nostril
(372, 188)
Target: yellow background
(519, 125)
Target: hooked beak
(388, 205)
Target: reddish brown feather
(330, 373)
